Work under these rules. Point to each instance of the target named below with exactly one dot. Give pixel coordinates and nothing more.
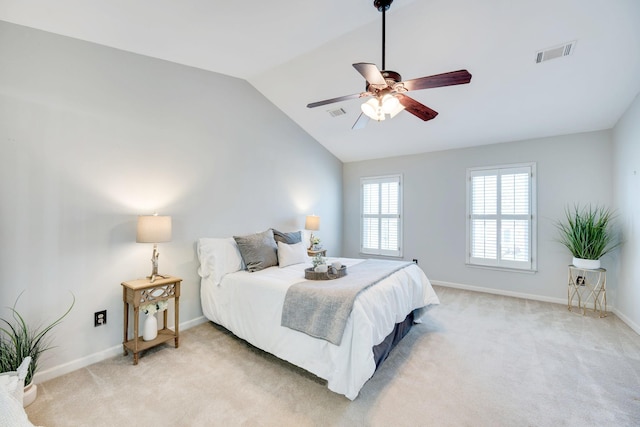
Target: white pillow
(292, 254)
(218, 257)
(11, 411)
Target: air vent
(337, 112)
(555, 52)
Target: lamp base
(153, 277)
(154, 265)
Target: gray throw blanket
(320, 308)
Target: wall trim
(628, 321)
(500, 292)
(99, 356)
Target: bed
(250, 305)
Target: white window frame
(498, 263)
(396, 178)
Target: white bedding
(250, 306)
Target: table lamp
(154, 229)
(312, 223)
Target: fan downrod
(382, 5)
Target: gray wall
(626, 137)
(91, 137)
(571, 169)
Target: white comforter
(250, 306)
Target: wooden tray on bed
(331, 274)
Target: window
(381, 215)
(501, 216)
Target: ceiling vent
(555, 52)
(337, 112)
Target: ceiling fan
(387, 90)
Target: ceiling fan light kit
(389, 103)
(373, 109)
(387, 89)
(376, 108)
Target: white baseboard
(628, 321)
(500, 292)
(116, 350)
(193, 322)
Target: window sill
(505, 269)
(367, 255)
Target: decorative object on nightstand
(150, 330)
(142, 294)
(154, 229)
(312, 223)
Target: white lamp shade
(389, 103)
(312, 222)
(370, 108)
(399, 107)
(153, 229)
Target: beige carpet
(480, 360)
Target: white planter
(30, 394)
(150, 330)
(589, 264)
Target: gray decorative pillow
(258, 251)
(288, 238)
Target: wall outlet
(415, 260)
(99, 318)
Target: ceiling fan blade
(338, 99)
(459, 77)
(419, 110)
(370, 73)
(362, 121)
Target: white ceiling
(296, 52)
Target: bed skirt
(382, 350)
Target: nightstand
(313, 253)
(140, 292)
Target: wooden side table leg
(136, 325)
(125, 323)
(177, 320)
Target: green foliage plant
(586, 231)
(18, 340)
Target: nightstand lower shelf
(164, 335)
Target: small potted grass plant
(18, 340)
(586, 232)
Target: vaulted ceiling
(296, 52)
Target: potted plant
(587, 233)
(18, 340)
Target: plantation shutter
(500, 217)
(381, 215)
